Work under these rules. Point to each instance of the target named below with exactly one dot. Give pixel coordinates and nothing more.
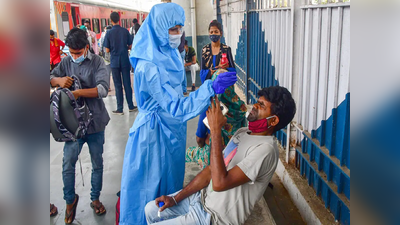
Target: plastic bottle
(160, 204)
(160, 216)
(224, 59)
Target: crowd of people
(238, 161)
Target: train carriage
(66, 14)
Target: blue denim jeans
(189, 211)
(71, 152)
(122, 76)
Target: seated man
(191, 63)
(226, 191)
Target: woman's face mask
(175, 40)
(215, 38)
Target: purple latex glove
(223, 81)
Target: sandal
(72, 213)
(53, 210)
(98, 208)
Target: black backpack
(69, 118)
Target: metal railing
(313, 63)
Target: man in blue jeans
(94, 78)
(118, 41)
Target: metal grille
(313, 62)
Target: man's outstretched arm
(201, 181)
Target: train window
(74, 17)
(129, 23)
(103, 24)
(87, 19)
(65, 23)
(123, 23)
(96, 26)
(109, 22)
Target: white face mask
(80, 59)
(175, 40)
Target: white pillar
(193, 14)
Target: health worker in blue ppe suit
(154, 161)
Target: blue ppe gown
(154, 161)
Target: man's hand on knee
(168, 202)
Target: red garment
(55, 51)
(10, 48)
(258, 126)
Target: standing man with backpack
(92, 73)
(135, 28)
(118, 41)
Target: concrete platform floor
(280, 204)
(283, 211)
